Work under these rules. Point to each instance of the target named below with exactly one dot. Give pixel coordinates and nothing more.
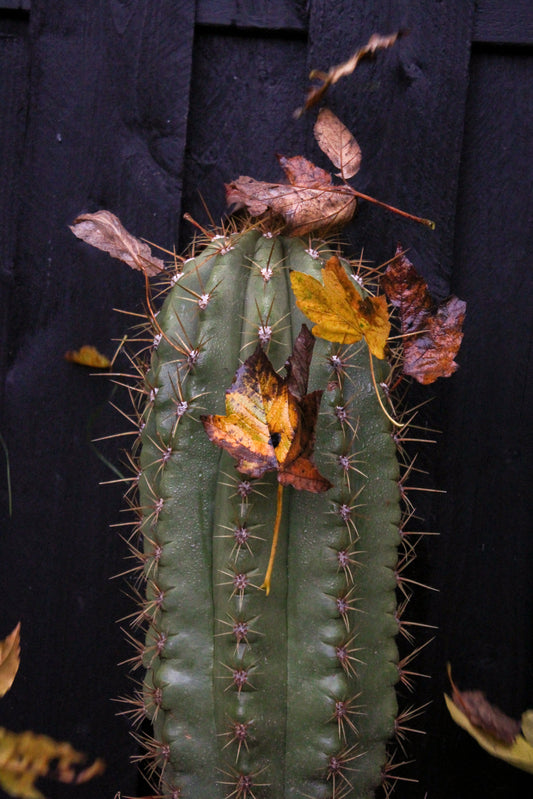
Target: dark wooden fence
(146, 108)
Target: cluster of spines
(239, 538)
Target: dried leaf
(9, 659)
(519, 753)
(270, 421)
(327, 79)
(496, 732)
(88, 356)
(481, 713)
(339, 311)
(304, 174)
(337, 142)
(432, 333)
(105, 231)
(24, 757)
(309, 202)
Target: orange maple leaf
(270, 425)
(338, 309)
(270, 421)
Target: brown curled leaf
(105, 232)
(9, 659)
(496, 732)
(481, 713)
(334, 74)
(309, 202)
(336, 141)
(432, 333)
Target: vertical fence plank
(14, 62)
(483, 556)
(406, 108)
(106, 128)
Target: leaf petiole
(275, 537)
(378, 396)
(427, 222)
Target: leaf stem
(378, 396)
(275, 537)
(427, 222)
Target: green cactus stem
(254, 696)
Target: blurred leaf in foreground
(9, 659)
(25, 756)
(88, 356)
(496, 732)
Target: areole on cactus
(269, 525)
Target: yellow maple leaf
(9, 659)
(339, 311)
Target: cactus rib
(254, 696)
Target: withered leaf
(309, 202)
(105, 231)
(432, 333)
(9, 659)
(303, 173)
(336, 141)
(496, 732)
(339, 311)
(88, 356)
(270, 421)
(481, 713)
(25, 756)
(327, 79)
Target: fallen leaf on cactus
(9, 659)
(24, 757)
(105, 231)
(308, 202)
(432, 333)
(327, 79)
(339, 311)
(88, 356)
(336, 141)
(270, 421)
(496, 732)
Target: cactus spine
(254, 696)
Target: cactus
(290, 694)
